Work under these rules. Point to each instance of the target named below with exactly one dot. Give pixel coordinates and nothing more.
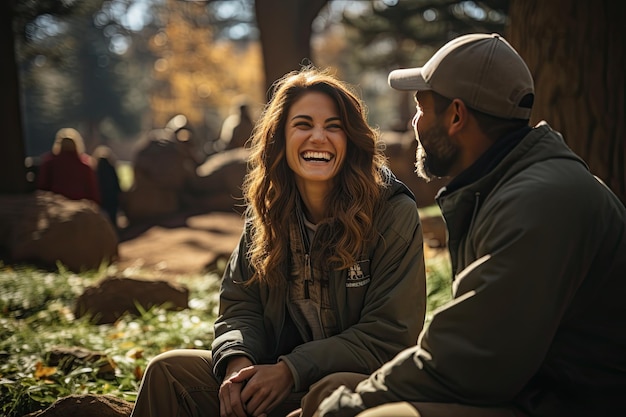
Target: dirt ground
(181, 245)
(190, 245)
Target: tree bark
(575, 51)
(12, 150)
(285, 33)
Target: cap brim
(408, 79)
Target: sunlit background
(115, 69)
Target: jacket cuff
(219, 365)
(297, 385)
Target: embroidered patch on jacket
(359, 274)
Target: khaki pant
(327, 385)
(180, 383)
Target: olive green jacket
(538, 320)
(372, 314)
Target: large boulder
(86, 405)
(68, 359)
(44, 228)
(163, 168)
(219, 181)
(146, 200)
(112, 297)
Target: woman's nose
(318, 134)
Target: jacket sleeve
(393, 310)
(486, 344)
(239, 325)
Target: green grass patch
(438, 282)
(429, 211)
(36, 315)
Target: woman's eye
(333, 127)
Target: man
(538, 250)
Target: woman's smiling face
(316, 142)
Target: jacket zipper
(307, 275)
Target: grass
(429, 211)
(36, 316)
(438, 280)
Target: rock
(146, 200)
(163, 166)
(219, 180)
(165, 160)
(86, 405)
(66, 359)
(113, 297)
(44, 228)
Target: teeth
(317, 156)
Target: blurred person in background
(67, 170)
(105, 165)
(236, 129)
(329, 272)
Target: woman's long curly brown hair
(270, 188)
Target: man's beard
(442, 153)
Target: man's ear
(458, 116)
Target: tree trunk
(285, 32)
(12, 151)
(575, 51)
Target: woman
(328, 275)
(66, 169)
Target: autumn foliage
(194, 73)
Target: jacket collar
(461, 205)
(488, 160)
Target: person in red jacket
(66, 170)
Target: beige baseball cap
(483, 70)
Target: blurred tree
(233, 20)
(385, 35)
(12, 153)
(575, 51)
(285, 33)
(81, 70)
(394, 33)
(284, 28)
(15, 14)
(195, 74)
(390, 33)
